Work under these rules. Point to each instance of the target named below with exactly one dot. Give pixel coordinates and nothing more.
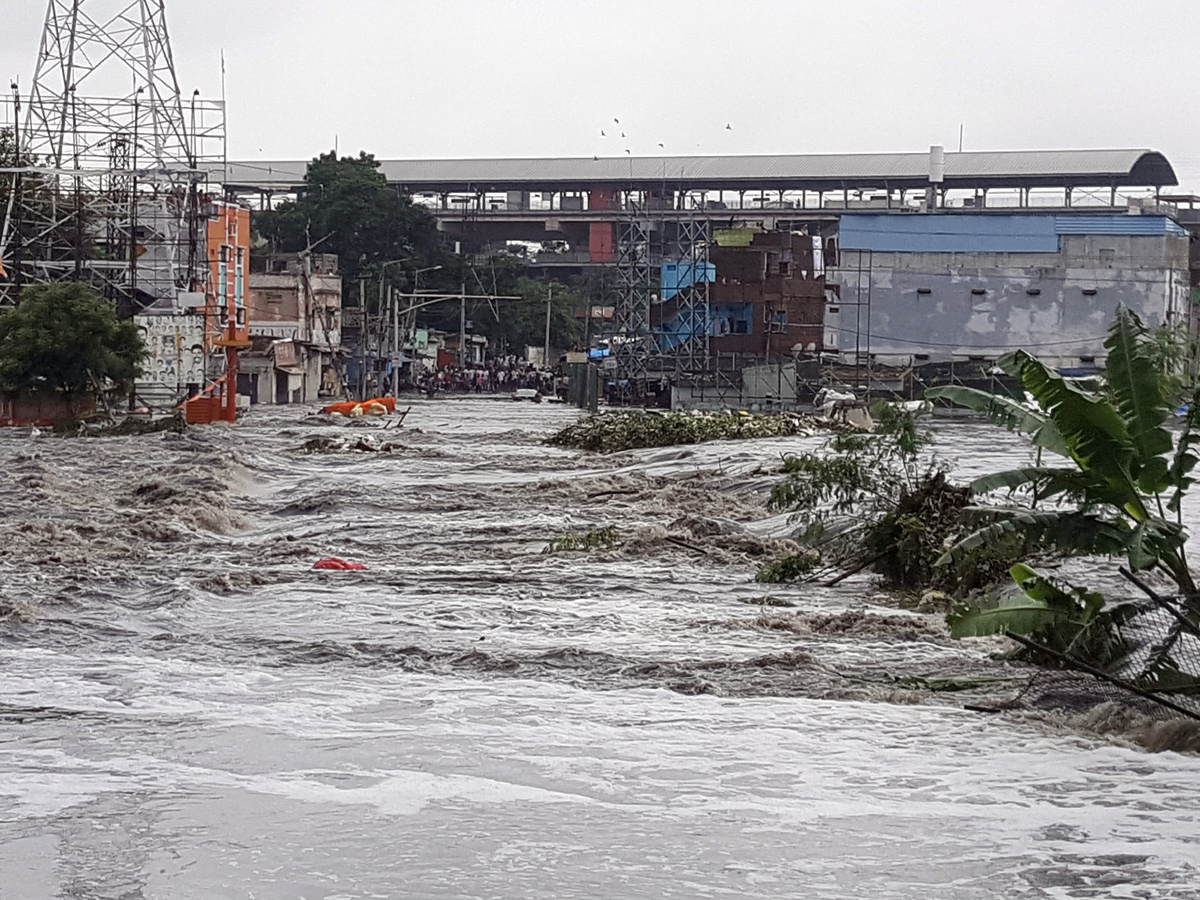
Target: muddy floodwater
(189, 710)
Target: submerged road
(188, 710)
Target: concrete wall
(939, 306)
(262, 380)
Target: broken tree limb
(853, 571)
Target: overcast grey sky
(462, 78)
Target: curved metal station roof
(814, 172)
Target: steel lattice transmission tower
(114, 163)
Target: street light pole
(382, 321)
(462, 326)
(410, 323)
(395, 344)
(546, 350)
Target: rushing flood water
(188, 710)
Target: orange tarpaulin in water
(347, 406)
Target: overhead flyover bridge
(488, 202)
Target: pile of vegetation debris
(106, 425)
(879, 500)
(612, 432)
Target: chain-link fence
(1159, 676)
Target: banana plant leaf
(1138, 388)
(1093, 430)
(1067, 531)
(1019, 615)
(1048, 482)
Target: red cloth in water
(332, 562)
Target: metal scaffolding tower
(633, 343)
(109, 181)
(685, 343)
(660, 330)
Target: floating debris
(340, 565)
(362, 443)
(788, 567)
(613, 432)
(596, 539)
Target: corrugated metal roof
(1145, 226)
(987, 234)
(948, 234)
(815, 171)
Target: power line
(927, 343)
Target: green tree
(67, 337)
(349, 208)
(515, 324)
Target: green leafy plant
(66, 337)
(1067, 620)
(1117, 492)
(856, 473)
(788, 567)
(595, 539)
(875, 498)
(1123, 479)
(613, 432)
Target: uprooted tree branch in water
(876, 499)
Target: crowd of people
(501, 376)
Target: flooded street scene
(617, 450)
(190, 710)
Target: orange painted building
(229, 274)
(226, 317)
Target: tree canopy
(65, 337)
(348, 207)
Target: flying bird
(615, 119)
(622, 134)
(602, 134)
(728, 127)
(662, 146)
